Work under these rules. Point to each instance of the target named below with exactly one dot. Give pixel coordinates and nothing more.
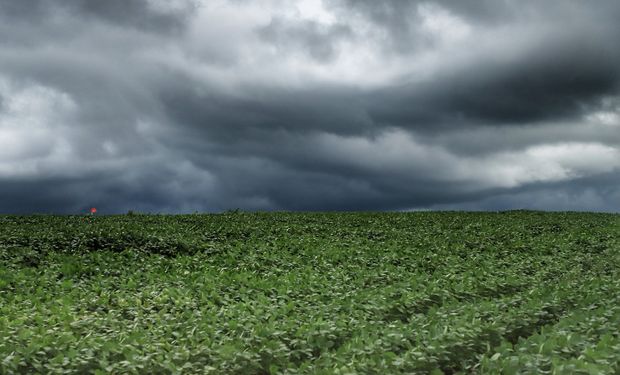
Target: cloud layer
(189, 105)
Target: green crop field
(320, 293)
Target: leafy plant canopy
(316, 293)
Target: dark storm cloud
(571, 63)
(312, 105)
(600, 193)
(557, 83)
(154, 188)
(126, 13)
(261, 112)
(259, 184)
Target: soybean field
(516, 292)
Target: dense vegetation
(512, 292)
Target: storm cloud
(190, 105)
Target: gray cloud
(600, 193)
(150, 15)
(320, 42)
(543, 84)
(314, 105)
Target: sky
(180, 106)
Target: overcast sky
(183, 106)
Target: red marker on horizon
(93, 211)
